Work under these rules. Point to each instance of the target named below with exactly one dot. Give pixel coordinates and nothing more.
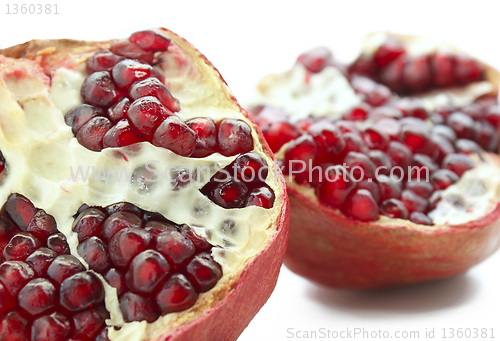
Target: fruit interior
(407, 103)
(157, 245)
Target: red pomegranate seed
(445, 132)
(116, 280)
(152, 86)
(138, 308)
(462, 124)
(443, 69)
(89, 223)
(120, 135)
(147, 270)
(95, 253)
(78, 116)
(389, 126)
(464, 146)
(176, 247)
(413, 202)
(63, 267)
(92, 133)
(457, 163)
(376, 138)
(98, 89)
(467, 70)
(400, 155)
(364, 66)
(128, 71)
(42, 225)
(486, 136)
(119, 221)
(416, 138)
(360, 205)
(328, 138)
(421, 188)
(371, 187)
(126, 244)
(417, 73)
(146, 115)
(388, 188)
(176, 136)
(54, 327)
(6, 301)
(378, 96)
(421, 168)
(420, 218)
(381, 160)
(155, 228)
(14, 326)
(474, 111)
(392, 75)
(358, 113)
(250, 167)
(177, 294)
(260, 196)
(388, 51)
(442, 147)
(394, 208)
(58, 243)
(264, 115)
(151, 40)
(316, 59)
(20, 210)
(103, 335)
(346, 127)
(443, 178)
(199, 242)
(206, 137)
(41, 259)
(234, 137)
(89, 323)
(14, 275)
(81, 291)
(38, 296)
(492, 115)
(119, 111)
(21, 246)
(126, 48)
(229, 194)
(412, 107)
(359, 165)
(278, 133)
(354, 143)
(381, 114)
(203, 272)
(334, 188)
(102, 60)
(123, 207)
(7, 231)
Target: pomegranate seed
(54, 327)
(422, 167)
(467, 70)
(354, 143)
(388, 188)
(103, 60)
(206, 139)
(300, 151)
(360, 166)
(442, 147)
(394, 208)
(420, 188)
(119, 111)
(95, 253)
(98, 89)
(492, 115)
(103, 335)
(177, 294)
(229, 194)
(146, 115)
(413, 202)
(371, 187)
(42, 225)
(203, 272)
(486, 136)
(20, 210)
(381, 113)
(199, 242)
(420, 218)
(392, 75)
(41, 259)
(92, 133)
(7, 231)
(155, 228)
(416, 138)
(462, 124)
(250, 167)
(375, 138)
(123, 207)
(316, 59)
(347, 127)
(58, 243)
(328, 138)
(389, 126)
(278, 133)
(364, 66)
(464, 146)
(443, 69)
(378, 96)
(152, 86)
(119, 221)
(381, 160)
(63, 267)
(122, 134)
(151, 40)
(360, 205)
(81, 291)
(473, 111)
(457, 163)
(260, 196)
(138, 308)
(335, 187)
(89, 223)
(37, 296)
(417, 73)
(358, 113)
(234, 137)
(128, 71)
(265, 115)
(412, 107)
(20, 247)
(147, 270)
(78, 116)
(89, 323)
(176, 136)
(14, 275)
(443, 178)
(126, 244)
(14, 326)
(116, 280)
(176, 247)
(6, 301)
(445, 132)
(126, 48)
(400, 155)
(388, 51)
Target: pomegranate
(391, 166)
(137, 200)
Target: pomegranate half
(350, 138)
(130, 207)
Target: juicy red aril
(316, 60)
(127, 72)
(58, 243)
(120, 135)
(81, 291)
(422, 167)
(442, 147)
(416, 138)
(176, 136)
(381, 160)
(421, 188)
(354, 143)
(95, 253)
(200, 243)
(155, 228)
(78, 116)
(457, 163)
(20, 210)
(486, 136)
(464, 146)
(42, 225)
(176, 294)
(278, 133)
(371, 187)
(20, 247)
(413, 202)
(375, 138)
(123, 207)
(388, 188)
(300, 153)
(7, 231)
(364, 66)
(92, 133)
(492, 115)
(153, 87)
(412, 107)
(37, 296)
(328, 138)
(103, 60)
(54, 327)
(388, 51)
(119, 111)
(6, 301)
(443, 178)
(251, 167)
(63, 267)
(420, 218)
(443, 69)
(392, 75)
(394, 208)
(176, 247)
(14, 326)
(445, 132)
(138, 308)
(206, 137)
(261, 196)
(234, 137)
(359, 113)
(41, 259)
(360, 205)
(98, 89)
(203, 272)
(118, 221)
(147, 270)
(89, 223)
(462, 124)
(150, 40)
(116, 280)
(467, 70)
(335, 187)
(126, 244)
(229, 194)
(417, 74)
(359, 165)
(14, 275)
(146, 114)
(126, 48)
(89, 323)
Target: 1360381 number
(32, 9)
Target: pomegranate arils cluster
(45, 293)
(156, 266)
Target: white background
(248, 40)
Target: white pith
(328, 93)
(40, 149)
